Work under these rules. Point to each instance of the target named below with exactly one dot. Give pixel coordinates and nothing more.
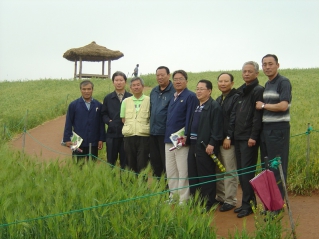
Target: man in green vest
(135, 114)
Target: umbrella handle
(215, 159)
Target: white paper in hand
(175, 139)
(76, 141)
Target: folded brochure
(76, 141)
(175, 138)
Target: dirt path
(44, 142)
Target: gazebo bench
(91, 76)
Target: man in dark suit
(111, 116)
(85, 119)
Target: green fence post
(308, 150)
(24, 133)
(90, 151)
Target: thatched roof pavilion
(92, 52)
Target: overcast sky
(194, 35)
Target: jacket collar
(168, 87)
(208, 103)
(246, 89)
(114, 94)
(231, 93)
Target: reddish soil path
(44, 142)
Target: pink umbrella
(265, 186)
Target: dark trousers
(80, 156)
(275, 143)
(246, 160)
(114, 150)
(157, 153)
(137, 149)
(200, 164)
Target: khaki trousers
(227, 183)
(177, 171)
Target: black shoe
(220, 202)
(244, 213)
(226, 207)
(237, 210)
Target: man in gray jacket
(160, 97)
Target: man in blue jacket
(180, 110)
(160, 98)
(85, 119)
(111, 117)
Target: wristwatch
(263, 105)
(227, 137)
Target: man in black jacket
(111, 116)
(206, 126)
(247, 133)
(227, 184)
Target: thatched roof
(92, 52)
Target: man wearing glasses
(205, 130)
(180, 109)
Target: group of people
(232, 127)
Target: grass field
(33, 190)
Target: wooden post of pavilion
(109, 69)
(75, 68)
(103, 68)
(80, 72)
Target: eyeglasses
(178, 79)
(200, 89)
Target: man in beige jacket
(135, 114)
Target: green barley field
(49, 201)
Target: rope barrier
(44, 146)
(21, 121)
(309, 129)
